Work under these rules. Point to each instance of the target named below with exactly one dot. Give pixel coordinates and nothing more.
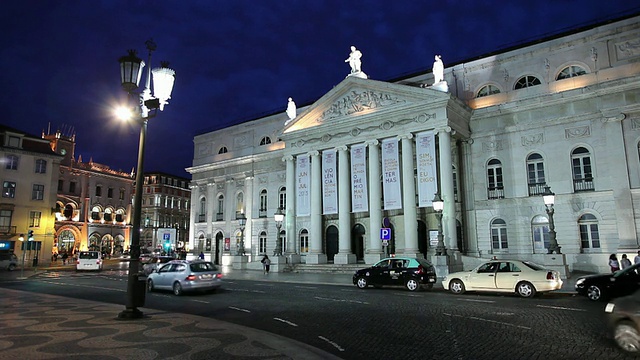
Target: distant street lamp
(549, 199)
(242, 221)
(279, 218)
(163, 78)
(21, 238)
(438, 206)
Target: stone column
(248, 212)
(193, 208)
(316, 255)
(445, 165)
(290, 211)
(409, 198)
(209, 218)
(374, 252)
(345, 254)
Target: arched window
(282, 198)
(108, 214)
(263, 203)
(265, 141)
(455, 184)
(495, 189)
(223, 150)
(304, 241)
(487, 90)
(540, 233)
(581, 167)
(526, 81)
(283, 240)
(239, 204)
(571, 71)
(535, 174)
(589, 233)
(262, 243)
(499, 235)
(220, 212)
(95, 213)
(202, 217)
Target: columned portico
(290, 211)
(345, 254)
(316, 254)
(409, 198)
(374, 252)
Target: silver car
(155, 263)
(185, 275)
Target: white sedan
(513, 276)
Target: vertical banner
(359, 192)
(329, 183)
(391, 175)
(427, 175)
(303, 204)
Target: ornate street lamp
(242, 221)
(549, 199)
(279, 218)
(438, 206)
(163, 78)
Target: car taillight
(98, 262)
(219, 276)
(420, 270)
(550, 276)
(77, 262)
(190, 277)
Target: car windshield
(424, 263)
(630, 270)
(203, 266)
(533, 265)
(88, 255)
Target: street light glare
(123, 113)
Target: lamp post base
(130, 314)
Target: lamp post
(438, 206)
(549, 199)
(279, 218)
(21, 238)
(242, 221)
(163, 78)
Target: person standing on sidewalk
(624, 262)
(266, 262)
(64, 258)
(637, 258)
(614, 264)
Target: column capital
(443, 129)
(342, 148)
(210, 184)
(405, 136)
(287, 158)
(371, 143)
(313, 153)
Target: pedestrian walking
(637, 258)
(201, 256)
(65, 256)
(266, 262)
(614, 264)
(624, 262)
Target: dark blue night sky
(237, 60)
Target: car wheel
(12, 267)
(412, 285)
(627, 337)
(177, 288)
(150, 285)
(456, 286)
(362, 282)
(594, 293)
(526, 289)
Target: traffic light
(30, 236)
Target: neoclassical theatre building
(355, 172)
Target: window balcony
(262, 213)
(495, 193)
(580, 185)
(219, 216)
(202, 218)
(8, 230)
(536, 189)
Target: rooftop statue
(291, 110)
(438, 70)
(355, 63)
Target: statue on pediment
(438, 70)
(291, 111)
(355, 63)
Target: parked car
(524, 278)
(89, 260)
(185, 275)
(412, 273)
(145, 256)
(8, 261)
(155, 262)
(623, 315)
(608, 286)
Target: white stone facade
(561, 112)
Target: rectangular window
(72, 187)
(34, 218)
(9, 189)
(60, 185)
(98, 190)
(262, 244)
(5, 218)
(41, 166)
(121, 194)
(110, 193)
(304, 243)
(12, 162)
(38, 192)
(14, 141)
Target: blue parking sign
(385, 234)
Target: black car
(607, 286)
(412, 273)
(623, 315)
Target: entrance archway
(331, 237)
(423, 238)
(357, 241)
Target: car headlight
(579, 282)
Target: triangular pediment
(355, 98)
